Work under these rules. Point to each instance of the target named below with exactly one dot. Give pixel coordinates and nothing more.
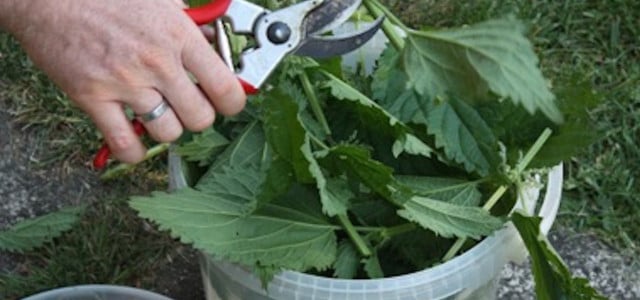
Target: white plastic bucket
(471, 275)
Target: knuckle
(120, 143)
(125, 148)
(224, 88)
(202, 122)
(159, 62)
(168, 132)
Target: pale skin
(106, 55)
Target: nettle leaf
(347, 262)
(203, 147)
(334, 192)
(372, 267)
(450, 220)
(285, 133)
(455, 191)
(391, 89)
(464, 136)
(578, 131)
(32, 233)
(247, 148)
(552, 277)
(234, 183)
(384, 121)
(356, 161)
(280, 235)
(493, 56)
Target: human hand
(108, 54)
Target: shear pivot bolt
(278, 33)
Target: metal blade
(330, 14)
(328, 46)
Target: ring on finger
(155, 113)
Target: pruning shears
(297, 29)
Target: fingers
(125, 145)
(190, 104)
(217, 81)
(180, 3)
(166, 128)
(208, 32)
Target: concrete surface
(612, 274)
(26, 191)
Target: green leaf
(334, 192)
(578, 131)
(234, 183)
(464, 136)
(203, 147)
(372, 267)
(285, 133)
(552, 277)
(356, 161)
(32, 233)
(347, 262)
(455, 191)
(247, 148)
(473, 61)
(391, 89)
(385, 122)
(284, 235)
(450, 220)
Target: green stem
(397, 230)
(123, 168)
(520, 167)
(318, 142)
(378, 10)
(393, 18)
(533, 151)
(361, 245)
(314, 103)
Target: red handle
(209, 12)
(102, 157)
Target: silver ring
(155, 113)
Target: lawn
(596, 41)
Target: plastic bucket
(97, 292)
(471, 275)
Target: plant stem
(123, 168)
(361, 245)
(314, 103)
(520, 167)
(397, 230)
(388, 14)
(377, 10)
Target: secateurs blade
(297, 29)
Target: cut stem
(361, 245)
(520, 167)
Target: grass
(598, 40)
(110, 244)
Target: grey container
(97, 292)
